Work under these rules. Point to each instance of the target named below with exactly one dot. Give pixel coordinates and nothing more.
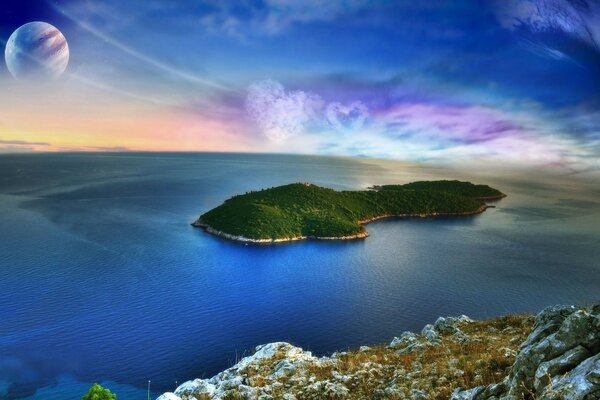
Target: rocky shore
(228, 236)
(555, 355)
(360, 235)
(427, 215)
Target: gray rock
(576, 328)
(168, 396)
(405, 339)
(416, 394)
(582, 383)
(197, 386)
(449, 325)
(284, 368)
(461, 337)
(326, 389)
(559, 360)
(417, 347)
(469, 394)
(430, 335)
(559, 365)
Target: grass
(370, 373)
(306, 210)
(485, 359)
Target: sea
(103, 279)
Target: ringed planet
(37, 50)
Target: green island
(302, 210)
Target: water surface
(103, 278)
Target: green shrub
(97, 392)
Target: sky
(473, 82)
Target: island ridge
(303, 210)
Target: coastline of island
(209, 229)
(360, 233)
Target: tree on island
(97, 392)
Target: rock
(405, 339)
(508, 352)
(327, 390)
(449, 325)
(469, 394)
(461, 337)
(480, 392)
(430, 335)
(582, 383)
(232, 382)
(391, 391)
(284, 368)
(197, 386)
(406, 343)
(168, 396)
(559, 365)
(560, 332)
(416, 394)
(560, 359)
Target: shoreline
(492, 198)
(360, 235)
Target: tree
(97, 392)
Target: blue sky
(430, 81)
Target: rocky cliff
(558, 358)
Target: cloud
(223, 23)
(22, 143)
(469, 135)
(21, 146)
(283, 13)
(279, 113)
(350, 117)
(271, 17)
(115, 149)
(577, 19)
(156, 63)
(448, 123)
(546, 51)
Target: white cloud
(279, 113)
(274, 16)
(577, 19)
(282, 13)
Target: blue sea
(104, 280)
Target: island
(306, 211)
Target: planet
(36, 50)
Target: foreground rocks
(559, 359)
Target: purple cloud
(447, 123)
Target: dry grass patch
(481, 353)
